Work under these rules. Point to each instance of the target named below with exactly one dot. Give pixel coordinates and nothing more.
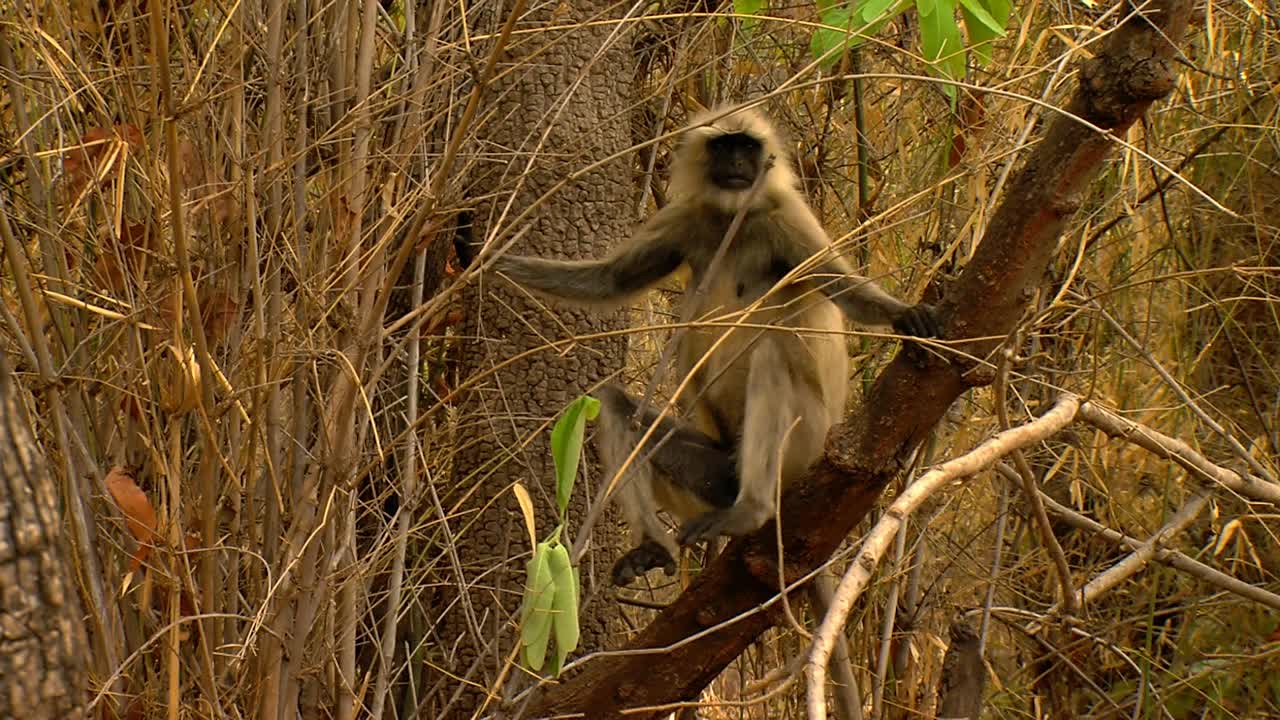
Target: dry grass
(200, 216)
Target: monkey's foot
(641, 559)
(734, 521)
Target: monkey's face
(734, 160)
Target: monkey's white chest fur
(752, 335)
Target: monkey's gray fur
(716, 473)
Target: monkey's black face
(734, 160)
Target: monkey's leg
(691, 463)
(771, 449)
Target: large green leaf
(535, 615)
(869, 13)
(566, 445)
(984, 21)
(565, 607)
(940, 40)
(825, 40)
(848, 28)
(975, 9)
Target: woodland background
(264, 410)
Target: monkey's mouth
(735, 182)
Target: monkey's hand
(641, 559)
(919, 320)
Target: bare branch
(1169, 448)
(1136, 561)
(877, 541)
(1173, 558)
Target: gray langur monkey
(786, 364)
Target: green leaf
(535, 615)
(846, 29)
(825, 40)
(554, 665)
(1000, 10)
(870, 12)
(940, 40)
(749, 7)
(984, 21)
(566, 445)
(565, 608)
(980, 14)
(925, 9)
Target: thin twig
(1030, 491)
(1172, 558)
(1179, 452)
(1175, 386)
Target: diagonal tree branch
(1132, 70)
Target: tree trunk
(538, 137)
(42, 640)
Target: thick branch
(910, 396)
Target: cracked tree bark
(1132, 69)
(536, 137)
(42, 639)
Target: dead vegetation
(231, 298)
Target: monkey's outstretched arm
(653, 253)
(866, 303)
(861, 299)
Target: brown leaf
(440, 385)
(957, 151)
(133, 248)
(178, 374)
(973, 122)
(80, 163)
(140, 517)
(217, 312)
(190, 164)
(440, 321)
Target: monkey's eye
(734, 144)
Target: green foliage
(940, 40)
(849, 24)
(552, 587)
(984, 21)
(550, 608)
(535, 613)
(848, 27)
(566, 446)
(564, 606)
